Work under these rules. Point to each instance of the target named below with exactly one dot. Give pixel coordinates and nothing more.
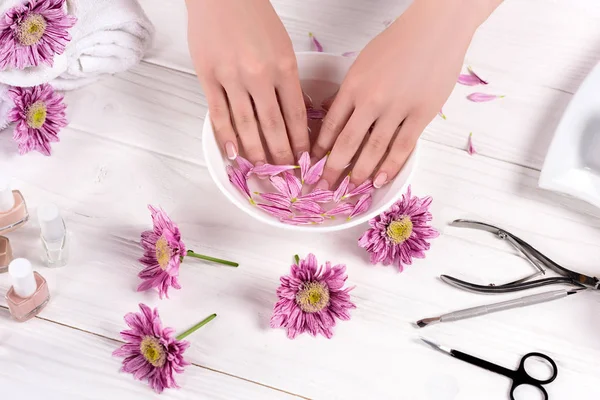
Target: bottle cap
(21, 272)
(7, 199)
(51, 223)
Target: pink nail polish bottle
(5, 254)
(29, 292)
(13, 210)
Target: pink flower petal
(318, 195)
(313, 113)
(362, 205)
(304, 219)
(481, 97)
(341, 190)
(340, 209)
(483, 81)
(363, 188)
(468, 80)
(277, 199)
(350, 54)
(276, 211)
(244, 165)
(441, 114)
(308, 207)
(239, 181)
(304, 162)
(317, 44)
(281, 185)
(271, 170)
(294, 184)
(470, 148)
(314, 173)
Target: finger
(246, 125)
(272, 124)
(326, 104)
(375, 148)
(402, 146)
(346, 146)
(332, 125)
(294, 113)
(218, 107)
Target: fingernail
(380, 180)
(231, 150)
(323, 185)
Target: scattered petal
(341, 190)
(481, 97)
(313, 113)
(388, 22)
(244, 165)
(276, 211)
(340, 209)
(318, 195)
(468, 80)
(314, 173)
(317, 44)
(239, 181)
(277, 199)
(271, 170)
(350, 54)
(483, 82)
(308, 207)
(441, 114)
(470, 148)
(362, 205)
(304, 162)
(363, 188)
(293, 183)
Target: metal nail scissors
(519, 377)
(537, 259)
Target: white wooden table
(134, 139)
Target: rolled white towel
(6, 104)
(109, 36)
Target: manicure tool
(537, 259)
(519, 377)
(505, 305)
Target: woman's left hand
(398, 83)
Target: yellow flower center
(163, 252)
(153, 351)
(31, 30)
(36, 115)
(400, 230)
(313, 297)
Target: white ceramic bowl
(312, 66)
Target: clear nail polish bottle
(29, 293)
(13, 210)
(5, 254)
(54, 236)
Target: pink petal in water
(363, 188)
(314, 173)
(277, 199)
(318, 195)
(276, 211)
(481, 97)
(294, 184)
(317, 44)
(350, 54)
(341, 190)
(470, 148)
(239, 181)
(308, 206)
(340, 209)
(362, 205)
(304, 162)
(270, 170)
(281, 185)
(303, 220)
(312, 113)
(244, 165)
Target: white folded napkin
(6, 104)
(110, 36)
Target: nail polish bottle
(13, 210)
(29, 292)
(5, 254)
(54, 236)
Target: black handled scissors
(536, 258)
(519, 377)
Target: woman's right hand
(246, 64)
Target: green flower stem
(190, 253)
(297, 259)
(194, 328)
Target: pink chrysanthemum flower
(32, 33)
(151, 352)
(40, 114)
(400, 234)
(311, 298)
(163, 252)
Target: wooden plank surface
(135, 139)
